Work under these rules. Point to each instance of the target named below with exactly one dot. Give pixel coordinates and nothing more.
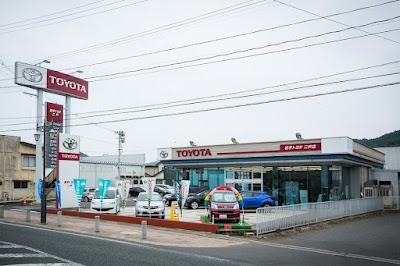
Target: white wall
(392, 157)
(388, 175)
(92, 171)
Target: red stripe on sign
(314, 146)
(68, 156)
(245, 152)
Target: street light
(44, 61)
(298, 136)
(77, 71)
(45, 128)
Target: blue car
(256, 199)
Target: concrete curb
(211, 228)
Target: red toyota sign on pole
(54, 115)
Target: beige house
(17, 168)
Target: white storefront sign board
(68, 169)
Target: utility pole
(121, 139)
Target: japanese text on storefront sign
(301, 147)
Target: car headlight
(214, 206)
(236, 206)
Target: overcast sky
(138, 55)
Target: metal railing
(270, 219)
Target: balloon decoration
(224, 187)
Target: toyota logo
(32, 75)
(70, 144)
(163, 154)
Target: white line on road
(328, 252)
(33, 253)
(161, 250)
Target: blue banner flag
(103, 187)
(39, 188)
(79, 185)
(58, 192)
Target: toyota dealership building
(293, 171)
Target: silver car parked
(156, 208)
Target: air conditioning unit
(6, 195)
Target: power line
(233, 36)
(161, 28)
(248, 95)
(253, 32)
(231, 106)
(249, 104)
(237, 51)
(173, 25)
(92, 14)
(253, 90)
(118, 74)
(51, 14)
(231, 97)
(239, 35)
(233, 93)
(337, 22)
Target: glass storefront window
(336, 190)
(287, 184)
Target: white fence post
(284, 217)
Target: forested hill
(387, 140)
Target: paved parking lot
(187, 215)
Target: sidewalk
(124, 231)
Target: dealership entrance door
(244, 178)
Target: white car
(168, 188)
(156, 209)
(111, 203)
(88, 194)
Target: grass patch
(227, 225)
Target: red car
(224, 206)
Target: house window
(20, 184)
(28, 161)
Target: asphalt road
(366, 240)
(20, 244)
(359, 241)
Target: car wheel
(85, 199)
(163, 217)
(194, 205)
(267, 205)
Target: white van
(111, 202)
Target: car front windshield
(110, 194)
(223, 197)
(143, 197)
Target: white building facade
(131, 167)
(292, 171)
(391, 171)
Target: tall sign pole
(39, 143)
(47, 80)
(68, 114)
